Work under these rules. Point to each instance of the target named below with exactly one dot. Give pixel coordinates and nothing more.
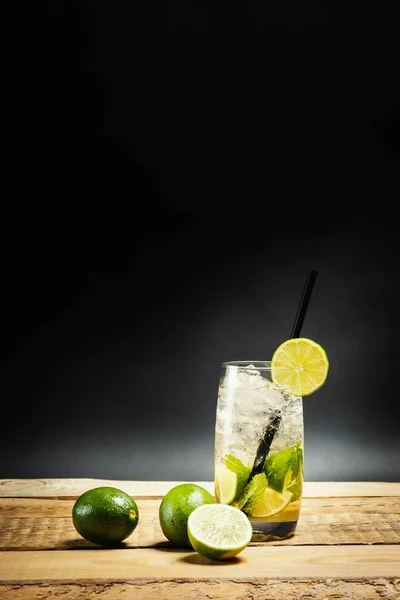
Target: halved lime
(272, 503)
(219, 531)
(301, 365)
(226, 483)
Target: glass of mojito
(270, 494)
(259, 435)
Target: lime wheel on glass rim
(300, 365)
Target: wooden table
(347, 545)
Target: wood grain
(72, 488)
(262, 589)
(35, 524)
(56, 507)
(151, 564)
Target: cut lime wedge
(296, 487)
(271, 504)
(219, 531)
(226, 483)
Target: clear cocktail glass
(259, 448)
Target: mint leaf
(252, 493)
(282, 467)
(258, 492)
(234, 464)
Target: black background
(174, 170)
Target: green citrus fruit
(219, 531)
(296, 488)
(175, 508)
(301, 365)
(105, 515)
(226, 484)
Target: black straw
(305, 299)
(272, 427)
(265, 443)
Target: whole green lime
(105, 515)
(175, 508)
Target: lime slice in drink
(282, 467)
(296, 487)
(219, 531)
(301, 365)
(271, 504)
(226, 483)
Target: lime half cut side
(301, 365)
(219, 531)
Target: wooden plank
(33, 524)
(72, 488)
(255, 562)
(59, 507)
(260, 589)
(59, 534)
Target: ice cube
(244, 378)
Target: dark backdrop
(175, 170)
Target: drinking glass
(259, 448)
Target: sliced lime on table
(301, 365)
(219, 531)
(272, 503)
